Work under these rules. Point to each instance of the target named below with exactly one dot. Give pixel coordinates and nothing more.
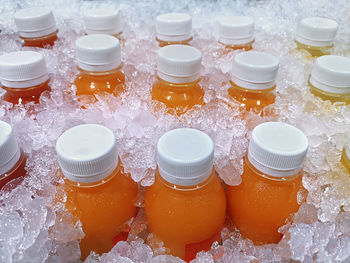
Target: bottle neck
(12, 165)
(178, 85)
(245, 88)
(100, 73)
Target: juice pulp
(261, 204)
(89, 83)
(17, 171)
(162, 43)
(25, 95)
(314, 51)
(103, 208)
(41, 42)
(333, 97)
(252, 99)
(186, 219)
(180, 97)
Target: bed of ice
(30, 231)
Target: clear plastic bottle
(253, 80)
(99, 62)
(36, 26)
(330, 78)
(12, 158)
(23, 76)
(316, 34)
(178, 78)
(99, 193)
(174, 28)
(186, 205)
(271, 181)
(236, 32)
(103, 21)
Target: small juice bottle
(271, 180)
(315, 35)
(330, 78)
(23, 76)
(178, 78)
(253, 80)
(99, 63)
(99, 193)
(174, 28)
(36, 26)
(12, 159)
(186, 205)
(103, 21)
(237, 32)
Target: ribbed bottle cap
(277, 149)
(316, 31)
(102, 21)
(22, 69)
(98, 52)
(236, 30)
(9, 149)
(185, 156)
(174, 27)
(254, 70)
(179, 63)
(87, 153)
(35, 22)
(331, 74)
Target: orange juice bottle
(330, 78)
(103, 21)
(178, 78)
(315, 35)
(253, 79)
(23, 76)
(99, 63)
(99, 193)
(36, 26)
(186, 205)
(12, 159)
(173, 28)
(271, 180)
(236, 32)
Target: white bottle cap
(179, 63)
(35, 22)
(185, 156)
(236, 30)
(22, 69)
(254, 70)
(277, 149)
(87, 153)
(98, 52)
(9, 149)
(102, 21)
(174, 27)
(316, 31)
(331, 74)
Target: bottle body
(261, 204)
(25, 95)
(163, 43)
(314, 50)
(104, 209)
(333, 97)
(43, 41)
(186, 219)
(179, 97)
(17, 171)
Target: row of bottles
(186, 206)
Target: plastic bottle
(173, 28)
(23, 76)
(271, 182)
(99, 62)
(12, 158)
(186, 205)
(36, 26)
(237, 32)
(99, 193)
(178, 76)
(253, 80)
(316, 34)
(330, 78)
